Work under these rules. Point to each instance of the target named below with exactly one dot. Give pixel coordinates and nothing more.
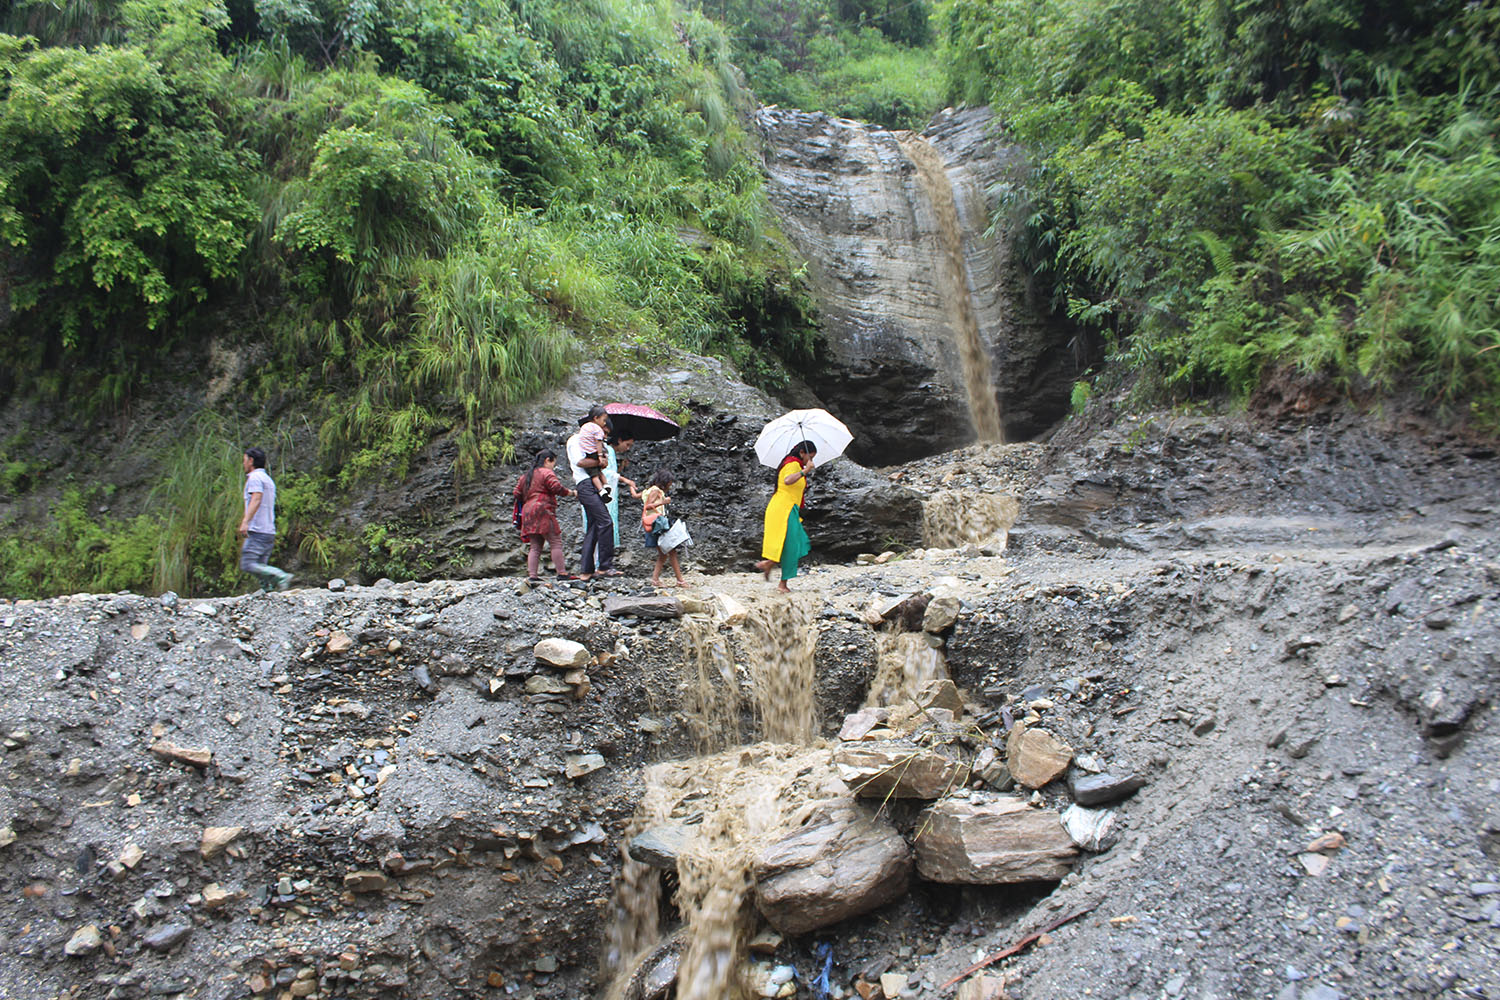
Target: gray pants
(255, 555)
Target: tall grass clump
(199, 502)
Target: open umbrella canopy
(641, 423)
(827, 433)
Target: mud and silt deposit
(1222, 694)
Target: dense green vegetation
(411, 215)
(403, 217)
(1226, 190)
(867, 59)
(425, 205)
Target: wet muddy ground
(1289, 631)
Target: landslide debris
(1264, 659)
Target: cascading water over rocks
(722, 811)
(727, 806)
(953, 283)
(930, 336)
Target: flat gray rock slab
(643, 607)
(1098, 789)
(992, 842)
(659, 846)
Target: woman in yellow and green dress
(785, 541)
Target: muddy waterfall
(932, 337)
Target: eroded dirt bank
(1287, 632)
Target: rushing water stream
(729, 805)
(953, 284)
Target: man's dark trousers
(600, 536)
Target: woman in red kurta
(537, 493)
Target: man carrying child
(586, 456)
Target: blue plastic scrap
(822, 988)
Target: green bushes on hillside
(414, 215)
(353, 174)
(1221, 192)
(78, 550)
(122, 202)
(851, 58)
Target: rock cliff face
(853, 202)
(462, 530)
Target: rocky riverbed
(1265, 655)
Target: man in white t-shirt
(258, 526)
(599, 536)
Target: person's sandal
(568, 576)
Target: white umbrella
(780, 436)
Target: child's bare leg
(661, 557)
(676, 567)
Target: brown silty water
(953, 285)
(779, 659)
(733, 804)
(709, 696)
(905, 662)
(776, 645)
(951, 518)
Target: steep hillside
(351, 234)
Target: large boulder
(989, 841)
(899, 769)
(1034, 756)
(844, 861)
(850, 510)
